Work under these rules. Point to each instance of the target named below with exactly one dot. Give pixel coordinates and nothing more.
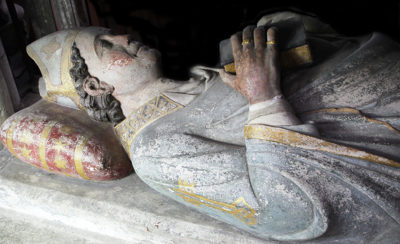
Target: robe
(333, 178)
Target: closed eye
(100, 45)
(106, 44)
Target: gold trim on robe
(291, 138)
(239, 208)
(153, 110)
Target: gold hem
(291, 138)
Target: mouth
(136, 48)
(141, 49)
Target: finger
(227, 78)
(272, 55)
(272, 45)
(248, 37)
(236, 41)
(271, 38)
(259, 38)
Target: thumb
(227, 78)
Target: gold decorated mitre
(52, 54)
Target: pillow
(65, 141)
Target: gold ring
(270, 42)
(246, 41)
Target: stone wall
(6, 105)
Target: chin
(157, 71)
(157, 63)
(149, 53)
(155, 54)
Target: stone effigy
(317, 160)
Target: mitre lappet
(52, 55)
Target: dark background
(188, 33)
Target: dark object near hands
(292, 43)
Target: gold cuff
(270, 42)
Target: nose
(122, 40)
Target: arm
(272, 165)
(252, 188)
(282, 185)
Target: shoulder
(201, 79)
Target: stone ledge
(125, 210)
(17, 228)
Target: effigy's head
(90, 69)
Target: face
(119, 62)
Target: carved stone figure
(315, 159)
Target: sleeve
(290, 166)
(278, 112)
(279, 180)
(287, 197)
(248, 187)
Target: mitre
(52, 54)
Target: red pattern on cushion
(65, 141)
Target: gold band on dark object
(289, 58)
(246, 41)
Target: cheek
(118, 61)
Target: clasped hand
(256, 63)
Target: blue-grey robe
(276, 181)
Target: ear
(94, 87)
